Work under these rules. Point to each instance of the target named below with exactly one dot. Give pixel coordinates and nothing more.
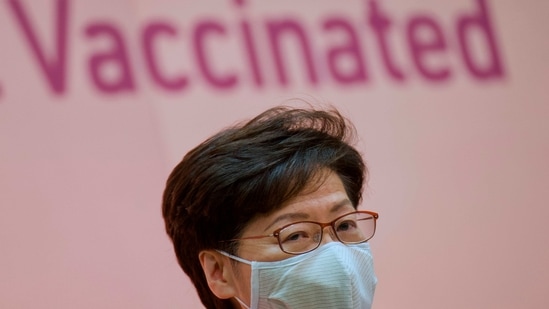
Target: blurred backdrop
(100, 99)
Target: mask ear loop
(242, 303)
(239, 259)
(234, 257)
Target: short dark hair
(249, 170)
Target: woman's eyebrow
(341, 204)
(296, 216)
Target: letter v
(54, 69)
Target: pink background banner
(100, 99)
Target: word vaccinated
(246, 50)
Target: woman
(264, 214)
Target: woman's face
(320, 201)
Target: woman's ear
(219, 274)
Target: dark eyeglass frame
(276, 233)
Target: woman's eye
(346, 226)
(297, 236)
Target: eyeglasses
(305, 236)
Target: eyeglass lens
(302, 237)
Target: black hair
(250, 170)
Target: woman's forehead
(322, 201)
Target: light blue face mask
(333, 276)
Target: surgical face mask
(333, 276)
